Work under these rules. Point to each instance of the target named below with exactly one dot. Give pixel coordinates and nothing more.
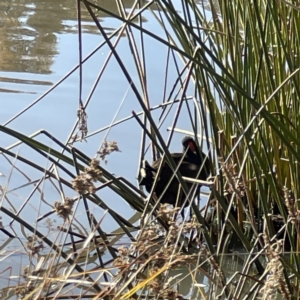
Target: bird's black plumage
(194, 164)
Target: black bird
(194, 164)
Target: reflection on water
(29, 31)
(33, 35)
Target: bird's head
(194, 153)
(190, 144)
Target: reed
(234, 73)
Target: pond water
(38, 50)
(39, 47)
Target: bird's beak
(192, 146)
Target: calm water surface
(38, 47)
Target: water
(39, 47)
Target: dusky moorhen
(194, 160)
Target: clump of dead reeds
(84, 182)
(34, 244)
(65, 209)
(290, 203)
(24, 289)
(107, 148)
(275, 282)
